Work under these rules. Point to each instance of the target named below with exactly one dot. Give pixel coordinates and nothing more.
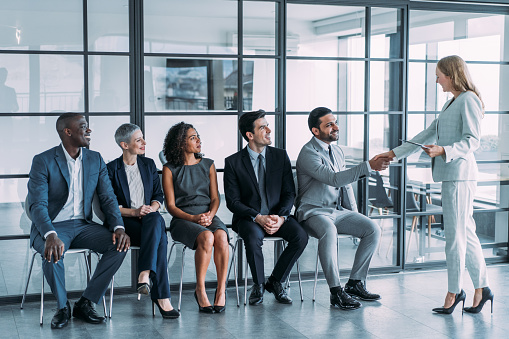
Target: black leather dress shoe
(279, 292)
(344, 301)
(256, 296)
(84, 309)
(359, 291)
(61, 317)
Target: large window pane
(259, 28)
(12, 199)
(385, 33)
(351, 137)
(325, 31)
(198, 84)
(42, 83)
(109, 83)
(385, 86)
(27, 136)
(192, 27)
(108, 26)
(383, 133)
(259, 85)
(41, 25)
(103, 140)
(218, 135)
(434, 35)
(338, 85)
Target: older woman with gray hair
(136, 184)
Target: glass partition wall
(156, 63)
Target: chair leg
(235, 274)
(300, 282)
(42, 300)
(231, 262)
(28, 279)
(181, 277)
(316, 276)
(245, 278)
(287, 283)
(429, 230)
(414, 222)
(111, 294)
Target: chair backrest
(377, 194)
(162, 158)
(96, 208)
(27, 209)
(411, 204)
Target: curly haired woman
(192, 198)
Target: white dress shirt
(136, 189)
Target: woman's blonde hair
(456, 68)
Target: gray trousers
(326, 228)
(462, 246)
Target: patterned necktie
(331, 156)
(264, 210)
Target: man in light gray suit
(325, 206)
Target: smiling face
(193, 141)
(444, 81)
(260, 137)
(328, 131)
(77, 132)
(136, 145)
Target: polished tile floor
(403, 312)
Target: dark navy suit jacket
(241, 187)
(149, 177)
(48, 189)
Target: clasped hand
(143, 211)
(381, 161)
(203, 219)
(270, 223)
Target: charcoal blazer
(149, 177)
(241, 186)
(48, 189)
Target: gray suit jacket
(458, 130)
(319, 186)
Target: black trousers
(253, 235)
(149, 233)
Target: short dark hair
(246, 122)
(315, 115)
(63, 120)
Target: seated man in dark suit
(259, 189)
(61, 186)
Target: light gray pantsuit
(462, 245)
(326, 228)
(458, 130)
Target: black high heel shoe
(486, 295)
(206, 309)
(459, 297)
(173, 314)
(142, 288)
(217, 308)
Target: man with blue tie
(62, 183)
(259, 190)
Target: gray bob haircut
(125, 132)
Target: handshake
(381, 161)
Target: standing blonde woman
(457, 133)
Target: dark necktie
(264, 210)
(340, 195)
(331, 156)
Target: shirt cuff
(117, 227)
(48, 233)
(158, 203)
(256, 217)
(369, 167)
